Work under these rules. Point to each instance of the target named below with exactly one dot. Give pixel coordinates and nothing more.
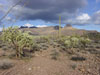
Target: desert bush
(74, 41)
(73, 66)
(78, 58)
(93, 36)
(43, 39)
(0, 46)
(18, 39)
(5, 48)
(35, 48)
(43, 46)
(84, 41)
(6, 64)
(55, 54)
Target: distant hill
(53, 30)
(28, 27)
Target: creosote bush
(18, 39)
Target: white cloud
(28, 25)
(9, 19)
(0, 29)
(98, 12)
(83, 17)
(41, 26)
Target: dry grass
(6, 64)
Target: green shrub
(85, 41)
(44, 38)
(93, 36)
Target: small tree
(18, 39)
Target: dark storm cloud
(47, 10)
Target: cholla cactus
(75, 41)
(18, 39)
(84, 41)
(68, 43)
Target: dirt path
(41, 64)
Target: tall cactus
(59, 32)
(18, 39)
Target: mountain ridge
(53, 30)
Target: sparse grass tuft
(6, 64)
(74, 66)
(54, 55)
(78, 58)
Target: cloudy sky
(82, 14)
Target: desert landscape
(51, 55)
(49, 37)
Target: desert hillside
(53, 30)
(25, 54)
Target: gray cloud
(1, 11)
(80, 19)
(85, 19)
(48, 10)
(96, 18)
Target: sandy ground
(42, 64)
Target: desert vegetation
(18, 40)
(17, 45)
(48, 49)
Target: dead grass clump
(6, 64)
(78, 58)
(54, 55)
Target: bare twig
(18, 16)
(9, 10)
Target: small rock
(38, 67)
(89, 70)
(82, 69)
(29, 69)
(36, 55)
